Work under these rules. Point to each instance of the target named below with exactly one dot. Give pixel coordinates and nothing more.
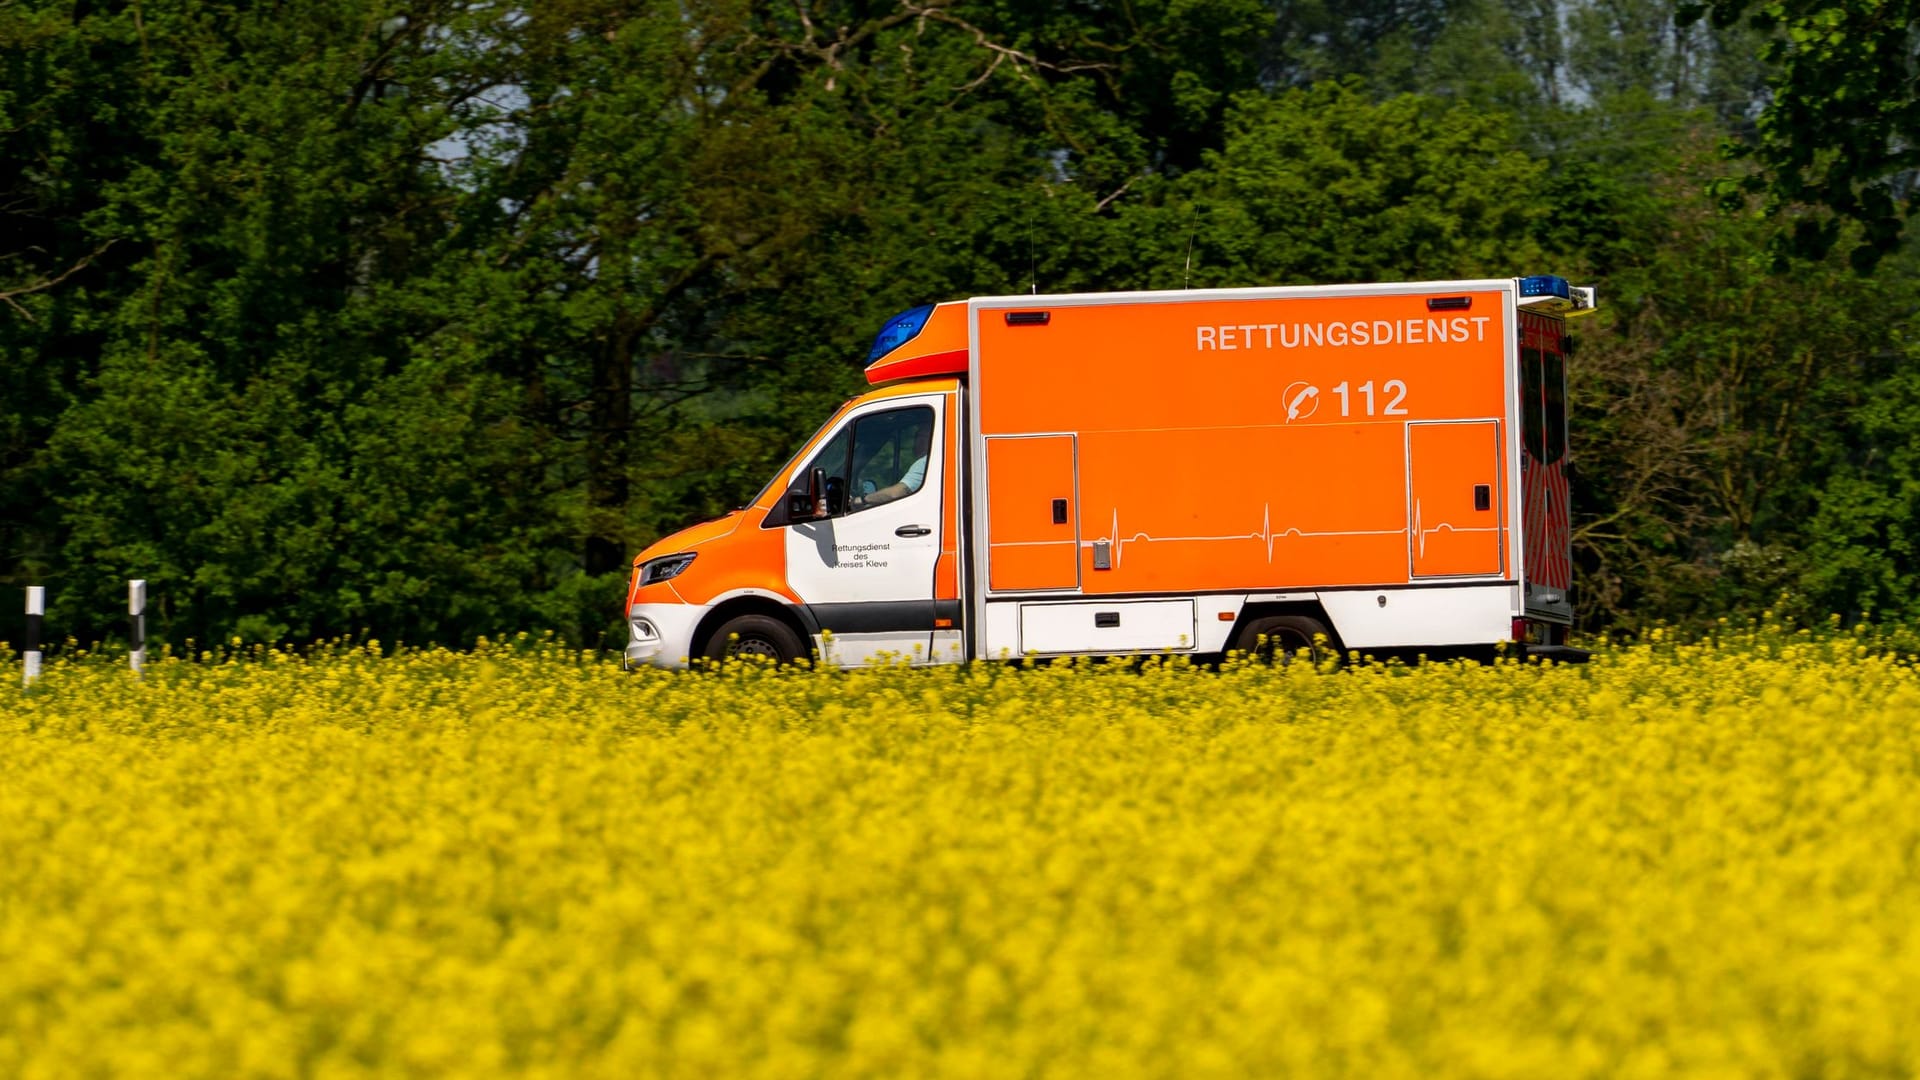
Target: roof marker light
(1449, 303)
(1543, 285)
(899, 330)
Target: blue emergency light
(901, 329)
(1545, 285)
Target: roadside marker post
(36, 612)
(137, 624)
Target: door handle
(912, 530)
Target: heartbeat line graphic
(1266, 535)
(1445, 526)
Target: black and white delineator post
(36, 611)
(137, 624)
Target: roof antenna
(1033, 256)
(1193, 226)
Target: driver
(910, 480)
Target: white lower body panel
(911, 647)
(1063, 627)
(1411, 618)
(1108, 627)
(1400, 617)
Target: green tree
(1326, 184)
(1839, 129)
(1863, 550)
(1715, 399)
(421, 317)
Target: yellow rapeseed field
(1680, 860)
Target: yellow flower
(1684, 858)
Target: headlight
(665, 567)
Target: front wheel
(1278, 639)
(755, 635)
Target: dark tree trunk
(610, 433)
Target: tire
(755, 635)
(1278, 639)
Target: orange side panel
(946, 572)
(1247, 443)
(946, 577)
(1450, 535)
(1222, 363)
(1026, 547)
(1245, 507)
(1038, 567)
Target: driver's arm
(900, 489)
(883, 495)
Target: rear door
(1546, 511)
(1453, 473)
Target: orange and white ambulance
(1185, 472)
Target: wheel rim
(1280, 646)
(753, 646)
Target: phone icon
(1306, 398)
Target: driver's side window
(833, 461)
(878, 458)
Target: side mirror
(811, 504)
(817, 493)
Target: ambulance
(1349, 467)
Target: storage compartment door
(1131, 626)
(1033, 524)
(1454, 482)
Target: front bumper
(661, 634)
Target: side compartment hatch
(1454, 483)
(1033, 530)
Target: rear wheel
(755, 635)
(1278, 639)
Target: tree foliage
(1839, 130)
(419, 318)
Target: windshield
(781, 473)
